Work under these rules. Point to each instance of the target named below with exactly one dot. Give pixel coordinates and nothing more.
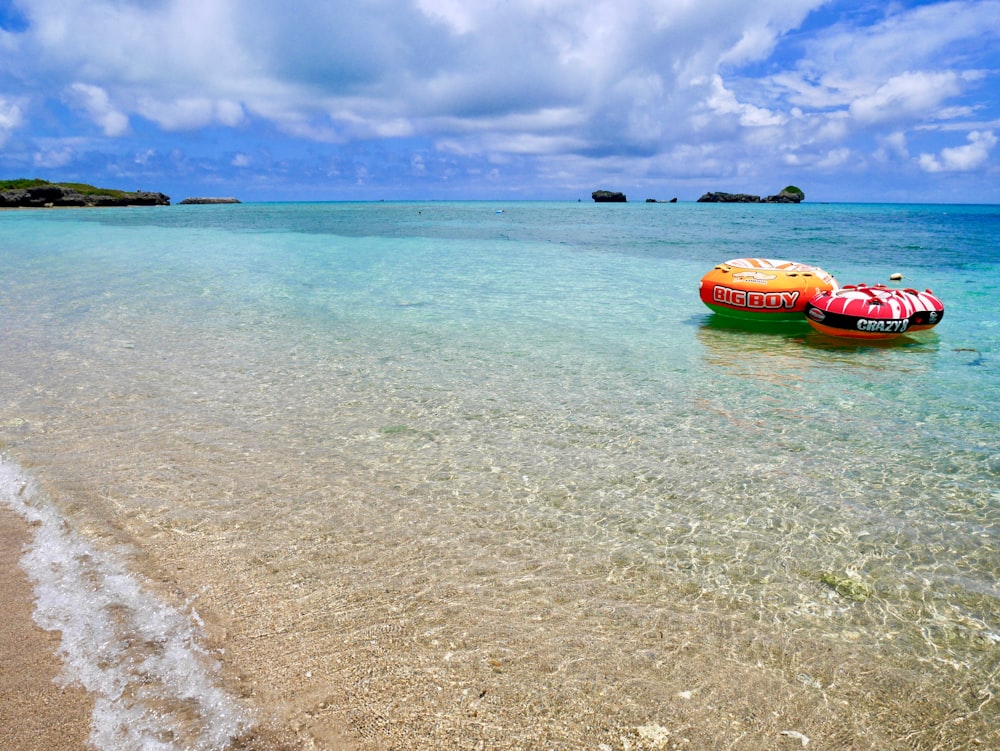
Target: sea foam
(153, 683)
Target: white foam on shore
(154, 685)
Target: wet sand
(36, 713)
(385, 678)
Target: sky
(286, 100)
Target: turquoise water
(542, 383)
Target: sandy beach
(714, 687)
(35, 711)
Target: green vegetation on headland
(81, 188)
(25, 193)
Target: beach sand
(35, 711)
(381, 679)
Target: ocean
(448, 475)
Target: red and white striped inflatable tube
(857, 311)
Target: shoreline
(723, 677)
(36, 713)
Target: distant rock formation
(791, 194)
(729, 198)
(188, 201)
(49, 195)
(608, 196)
(654, 200)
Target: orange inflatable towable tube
(762, 289)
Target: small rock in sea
(803, 739)
(845, 586)
(807, 680)
(656, 736)
(608, 196)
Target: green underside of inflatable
(752, 316)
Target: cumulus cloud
(96, 103)
(518, 84)
(834, 158)
(10, 118)
(906, 95)
(971, 156)
(189, 113)
(844, 61)
(56, 154)
(397, 65)
(892, 145)
(724, 102)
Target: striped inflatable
(857, 311)
(763, 289)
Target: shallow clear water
(541, 384)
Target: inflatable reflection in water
(762, 289)
(858, 311)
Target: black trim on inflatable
(926, 318)
(850, 322)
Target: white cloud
(11, 118)
(906, 95)
(10, 114)
(229, 113)
(906, 69)
(962, 158)
(190, 113)
(844, 62)
(175, 44)
(56, 155)
(460, 15)
(518, 81)
(96, 103)
(397, 62)
(892, 145)
(762, 25)
(724, 102)
(833, 159)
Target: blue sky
(505, 99)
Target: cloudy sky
(505, 99)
